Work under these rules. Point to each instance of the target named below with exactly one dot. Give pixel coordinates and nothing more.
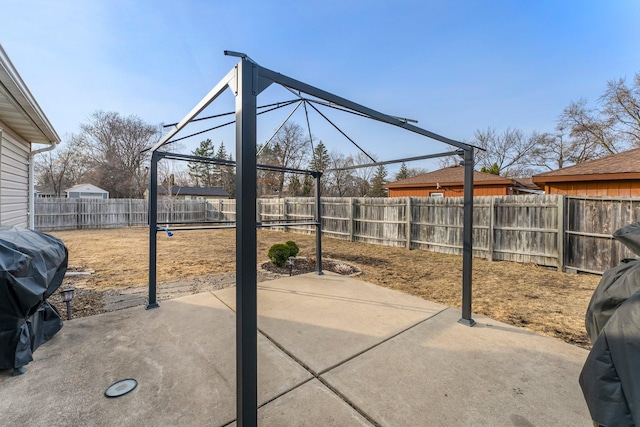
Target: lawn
(525, 295)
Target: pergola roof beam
(208, 99)
(406, 159)
(329, 97)
(215, 116)
(278, 130)
(225, 162)
(343, 134)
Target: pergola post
(318, 219)
(467, 238)
(153, 228)
(246, 247)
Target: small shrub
(279, 254)
(293, 248)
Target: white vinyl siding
(14, 179)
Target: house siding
(617, 188)
(14, 179)
(450, 191)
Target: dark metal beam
(229, 113)
(329, 97)
(190, 157)
(467, 239)
(342, 132)
(153, 224)
(266, 144)
(246, 247)
(208, 99)
(318, 215)
(406, 159)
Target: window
(434, 194)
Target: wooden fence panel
(337, 217)
(437, 224)
(547, 230)
(380, 221)
(302, 209)
(526, 229)
(56, 214)
(591, 222)
(100, 213)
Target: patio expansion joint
(314, 375)
(360, 353)
(318, 376)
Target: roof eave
(27, 105)
(449, 184)
(586, 177)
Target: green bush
(279, 254)
(293, 248)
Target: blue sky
(455, 66)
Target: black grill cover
(32, 266)
(610, 378)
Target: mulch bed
(308, 265)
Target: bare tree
(61, 168)
(415, 171)
(342, 183)
(621, 105)
(508, 150)
(117, 147)
(558, 150)
(289, 149)
(590, 128)
(364, 175)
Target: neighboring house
(23, 125)
(617, 175)
(193, 193)
(86, 191)
(449, 182)
(44, 192)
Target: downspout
(32, 186)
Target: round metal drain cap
(121, 387)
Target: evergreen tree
(379, 179)
(226, 174)
(493, 170)
(403, 173)
(204, 174)
(295, 186)
(320, 160)
(307, 186)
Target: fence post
(492, 224)
(130, 213)
(79, 213)
(351, 214)
(285, 212)
(561, 232)
(408, 224)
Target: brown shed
(617, 175)
(449, 182)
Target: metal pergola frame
(157, 156)
(247, 80)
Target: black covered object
(32, 266)
(610, 378)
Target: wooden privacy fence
(571, 233)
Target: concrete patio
(333, 351)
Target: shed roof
(625, 165)
(86, 188)
(194, 191)
(19, 109)
(452, 175)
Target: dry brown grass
(532, 297)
